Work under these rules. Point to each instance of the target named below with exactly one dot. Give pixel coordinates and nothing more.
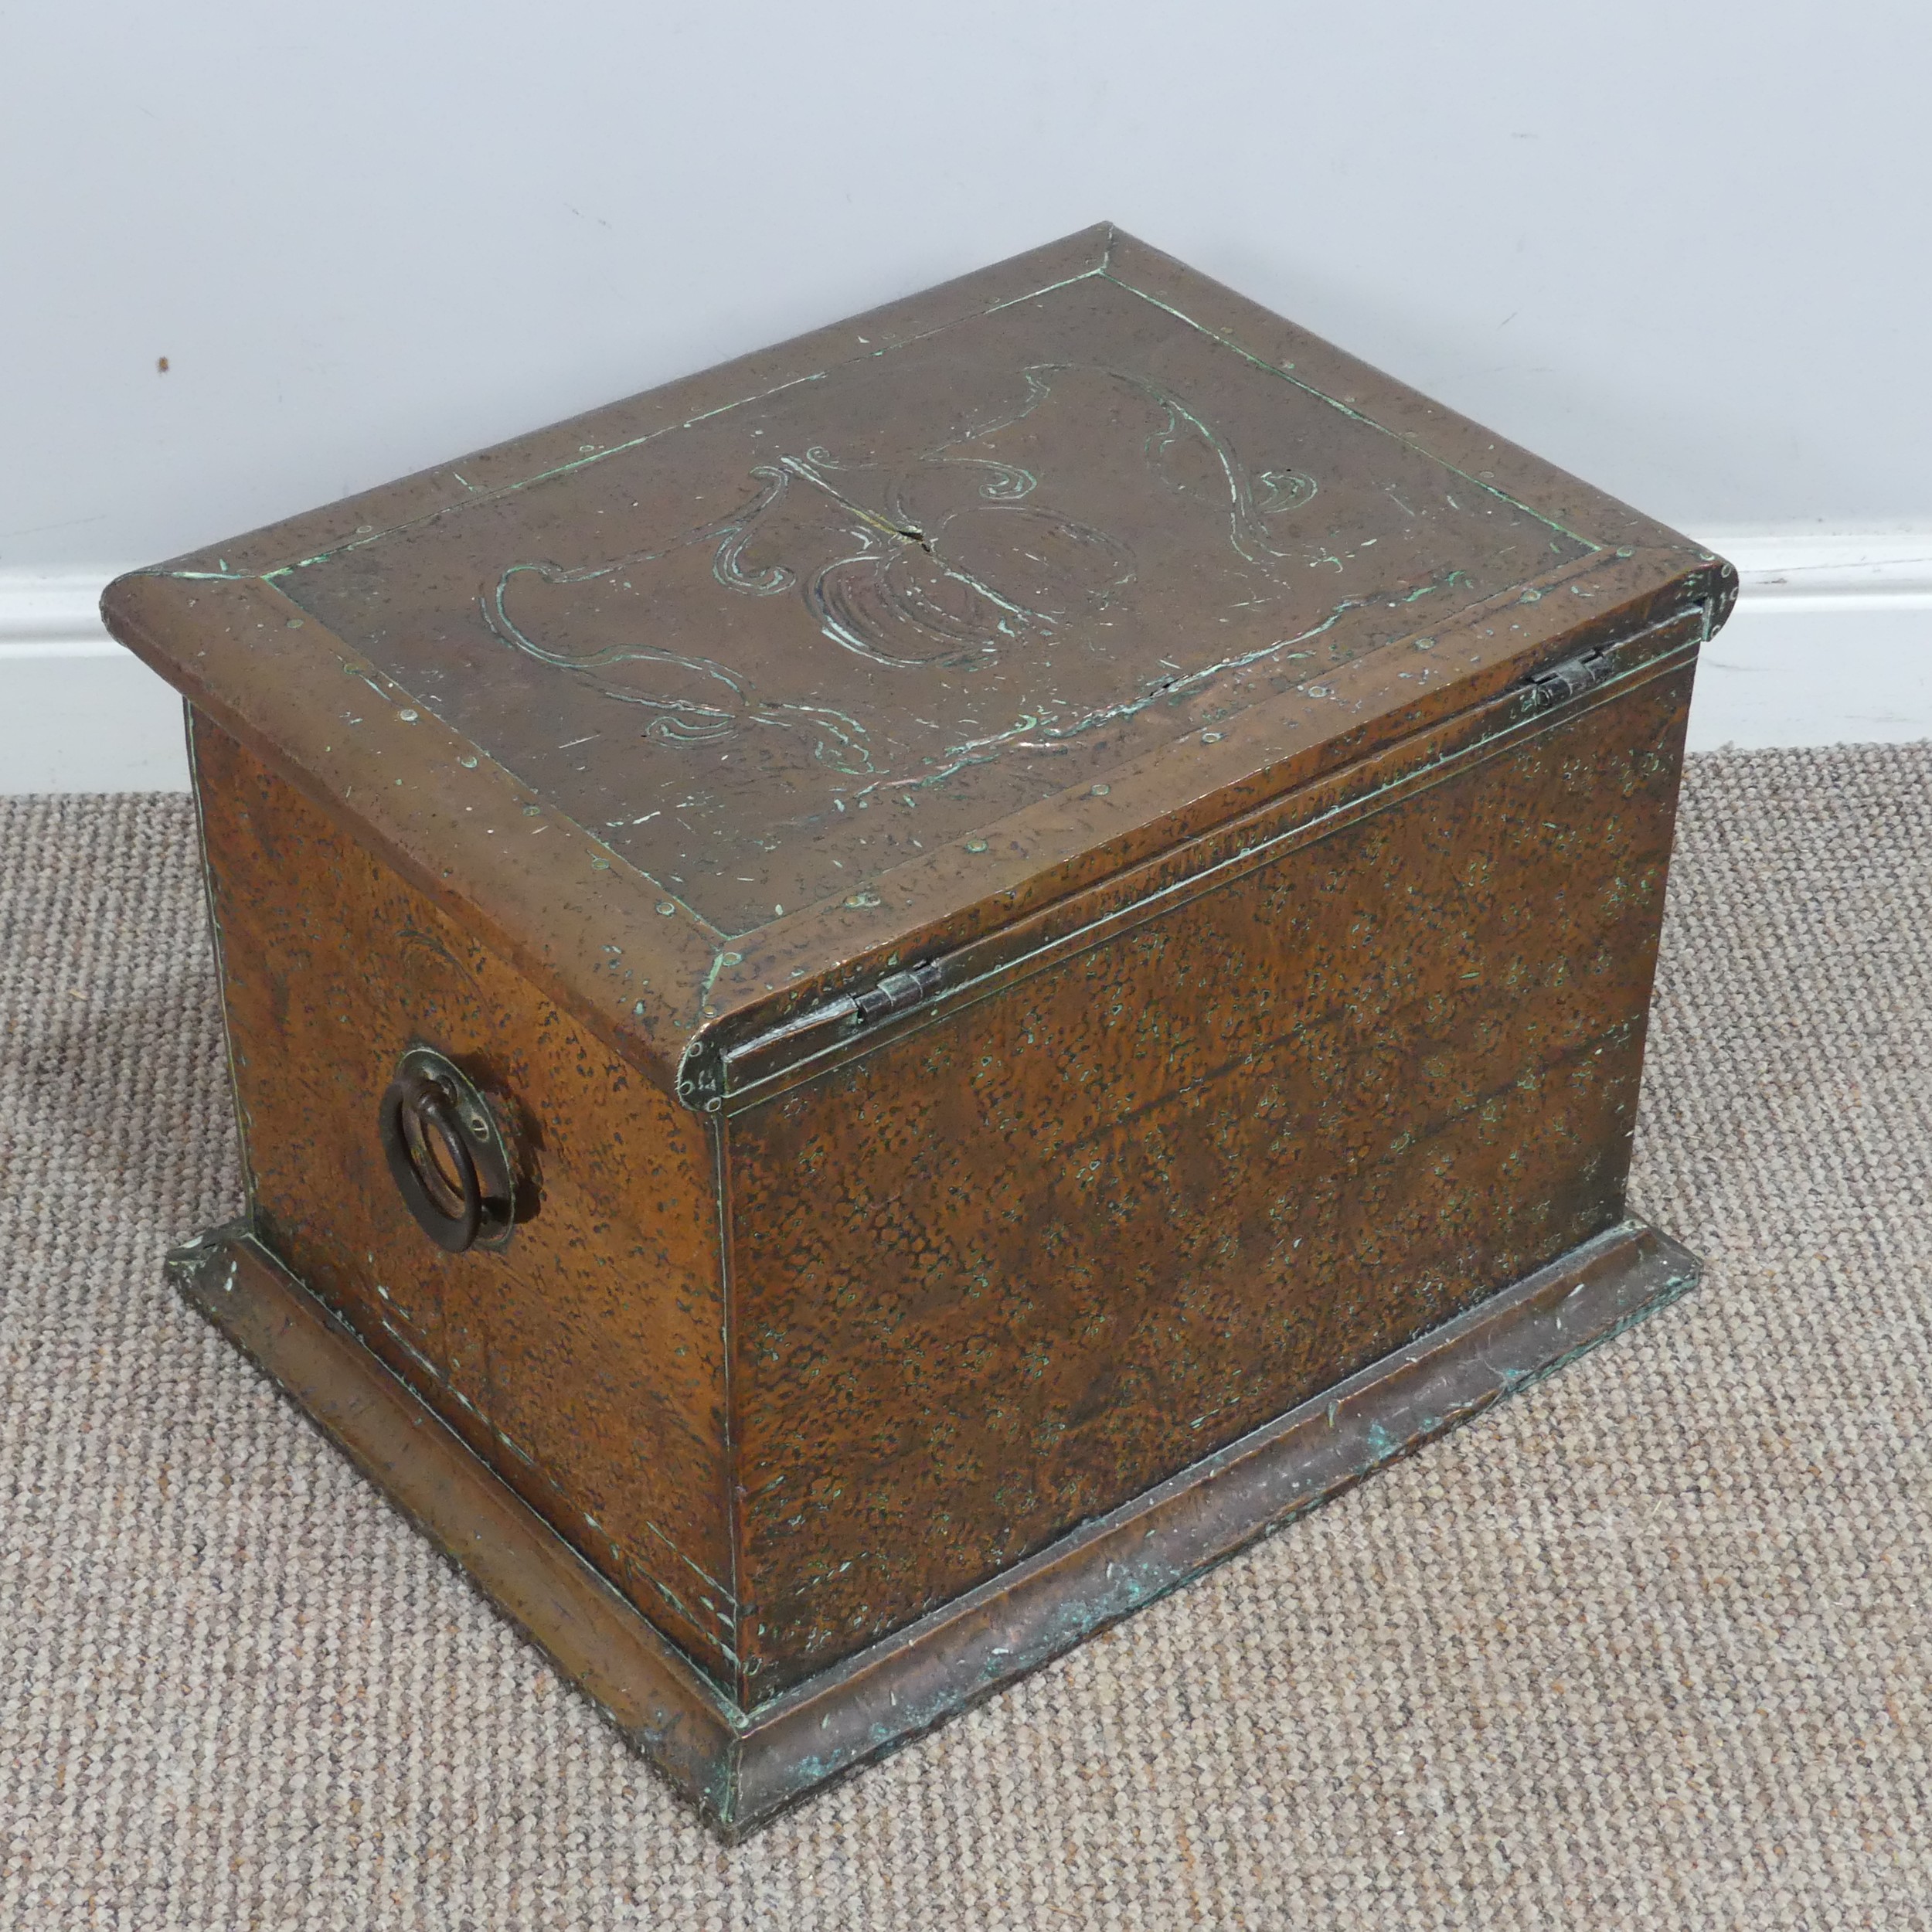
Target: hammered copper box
(882, 1001)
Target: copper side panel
(1015, 1267)
(584, 1362)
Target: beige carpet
(1648, 1646)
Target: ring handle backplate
(447, 1153)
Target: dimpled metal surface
(1020, 1264)
(584, 1362)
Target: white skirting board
(1831, 644)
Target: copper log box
(884, 1001)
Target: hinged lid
(746, 695)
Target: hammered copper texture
(1009, 1270)
(623, 761)
(584, 1362)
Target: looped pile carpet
(1649, 1645)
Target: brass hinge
(898, 991)
(894, 994)
(1570, 679)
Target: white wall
(1679, 248)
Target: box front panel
(1006, 1271)
(584, 1361)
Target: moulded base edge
(741, 1766)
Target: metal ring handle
(449, 1217)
